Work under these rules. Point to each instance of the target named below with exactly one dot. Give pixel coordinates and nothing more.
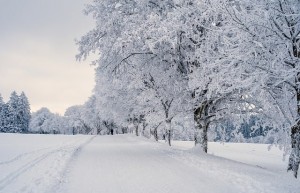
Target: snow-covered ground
(129, 164)
(260, 155)
(36, 163)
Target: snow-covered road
(127, 164)
(124, 164)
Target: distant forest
(15, 114)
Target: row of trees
(15, 114)
(214, 61)
(79, 119)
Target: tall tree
(271, 48)
(13, 119)
(24, 112)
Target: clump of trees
(78, 119)
(209, 62)
(15, 114)
(44, 121)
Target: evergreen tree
(23, 113)
(5, 118)
(13, 119)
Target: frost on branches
(226, 63)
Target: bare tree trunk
(155, 134)
(204, 137)
(294, 159)
(201, 128)
(144, 128)
(198, 126)
(136, 130)
(201, 137)
(168, 131)
(98, 130)
(169, 137)
(167, 105)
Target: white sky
(37, 52)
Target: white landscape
(130, 164)
(180, 96)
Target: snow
(260, 155)
(35, 163)
(125, 163)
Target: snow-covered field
(129, 164)
(36, 163)
(260, 155)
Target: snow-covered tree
(90, 116)
(75, 115)
(270, 50)
(24, 112)
(44, 121)
(38, 119)
(13, 118)
(15, 115)
(219, 60)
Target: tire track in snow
(63, 175)
(29, 165)
(34, 162)
(20, 156)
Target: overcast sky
(37, 52)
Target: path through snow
(127, 164)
